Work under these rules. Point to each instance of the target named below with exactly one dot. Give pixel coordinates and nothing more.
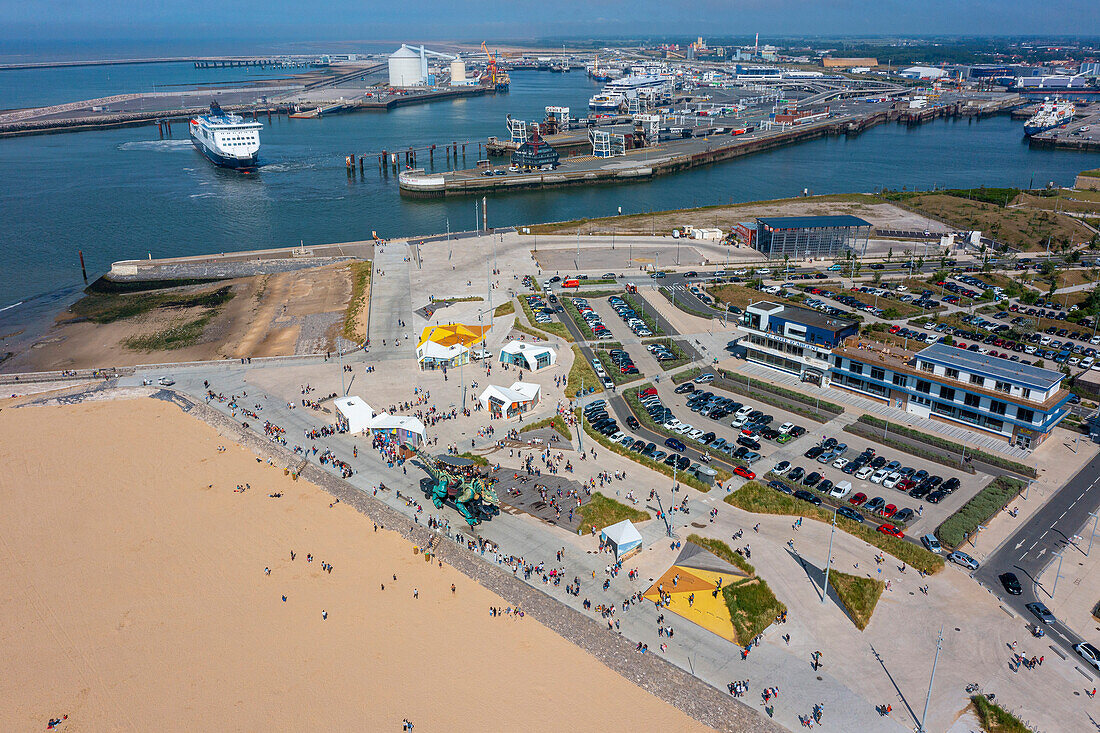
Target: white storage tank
(405, 68)
(458, 72)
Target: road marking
(1044, 534)
(1020, 544)
(1061, 515)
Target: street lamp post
(928, 699)
(829, 559)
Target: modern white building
(401, 428)
(434, 355)
(510, 401)
(793, 339)
(353, 414)
(528, 356)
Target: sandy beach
(135, 597)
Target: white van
(842, 489)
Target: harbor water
(127, 193)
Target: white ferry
(226, 139)
(1051, 114)
(642, 81)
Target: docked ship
(226, 139)
(643, 81)
(1051, 114)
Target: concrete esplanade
(238, 264)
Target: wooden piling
(83, 270)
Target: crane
(492, 65)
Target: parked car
(675, 444)
(744, 472)
(891, 530)
(961, 558)
(781, 468)
(780, 486)
(850, 513)
(931, 542)
(859, 499)
(807, 497)
(704, 378)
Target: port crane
(491, 67)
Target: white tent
(404, 428)
(433, 355)
(353, 414)
(528, 356)
(623, 537)
(510, 401)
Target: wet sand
(133, 596)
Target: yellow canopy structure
(451, 334)
(693, 587)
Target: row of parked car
(590, 317)
(542, 312)
(596, 413)
(825, 486)
(630, 317)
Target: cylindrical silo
(405, 70)
(458, 72)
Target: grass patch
(581, 371)
(858, 595)
(554, 328)
(678, 351)
(943, 444)
(995, 719)
(176, 336)
(360, 279)
(684, 478)
(979, 510)
(467, 299)
(608, 345)
(687, 375)
(108, 308)
(505, 309)
(612, 369)
(601, 511)
(752, 606)
(643, 313)
(779, 397)
(754, 497)
(478, 460)
(722, 550)
(555, 422)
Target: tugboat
(226, 139)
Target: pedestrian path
(891, 414)
(391, 301)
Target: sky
(250, 21)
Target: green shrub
(979, 510)
(859, 595)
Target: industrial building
(793, 339)
(802, 237)
(1014, 401)
(923, 72)
(841, 63)
(405, 68)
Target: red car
(889, 529)
(744, 472)
(895, 328)
(906, 485)
(859, 499)
(889, 510)
(647, 392)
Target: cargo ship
(1050, 114)
(226, 139)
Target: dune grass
(602, 511)
(859, 595)
(755, 497)
(752, 606)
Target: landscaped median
(505, 309)
(556, 422)
(645, 315)
(554, 328)
(859, 595)
(752, 605)
(631, 397)
(682, 357)
(982, 507)
(933, 447)
(600, 512)
(684, 478)
(757, 498)
(613, 370)
(807, 406)
(581, 374)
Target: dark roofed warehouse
(802, 237)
